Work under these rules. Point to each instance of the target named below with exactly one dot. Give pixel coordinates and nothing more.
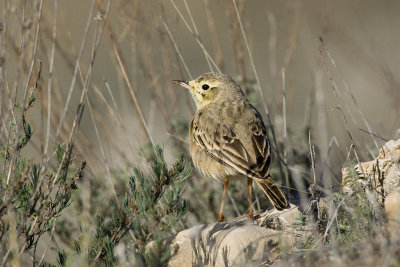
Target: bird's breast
(210, 166)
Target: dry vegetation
(93, 136)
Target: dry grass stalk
(121, 66)
(80, 53)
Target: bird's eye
(205, 87)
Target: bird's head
(211, 87)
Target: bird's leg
(250, 186)
(221, 210)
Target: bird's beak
(182, 83)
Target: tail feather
(274, 193)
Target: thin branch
(51, 235)
(110, 180)
(79, 113)
(124, 74)
(351, 94)
(80, 53)
(259, 87)
(284, 124)
(312, 153)
(195, 34)
(177, 49)
(215, 36)
(49, 84)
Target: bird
(228, 139)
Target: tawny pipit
(228, 139)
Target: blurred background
(323, 74)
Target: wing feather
(242, 147)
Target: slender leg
(250, 185)
(221, 210)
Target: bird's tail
(274, 193)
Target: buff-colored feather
(228, 139)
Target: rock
(382, 173)
(240, 242)
(236, 242)
(392, 211)
(392, 206)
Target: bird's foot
(250, 217)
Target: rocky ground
(303, 235)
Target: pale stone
(236, 242)
(381, 174)
(392, 206)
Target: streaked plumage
(228, 138)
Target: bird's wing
(242, 146)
